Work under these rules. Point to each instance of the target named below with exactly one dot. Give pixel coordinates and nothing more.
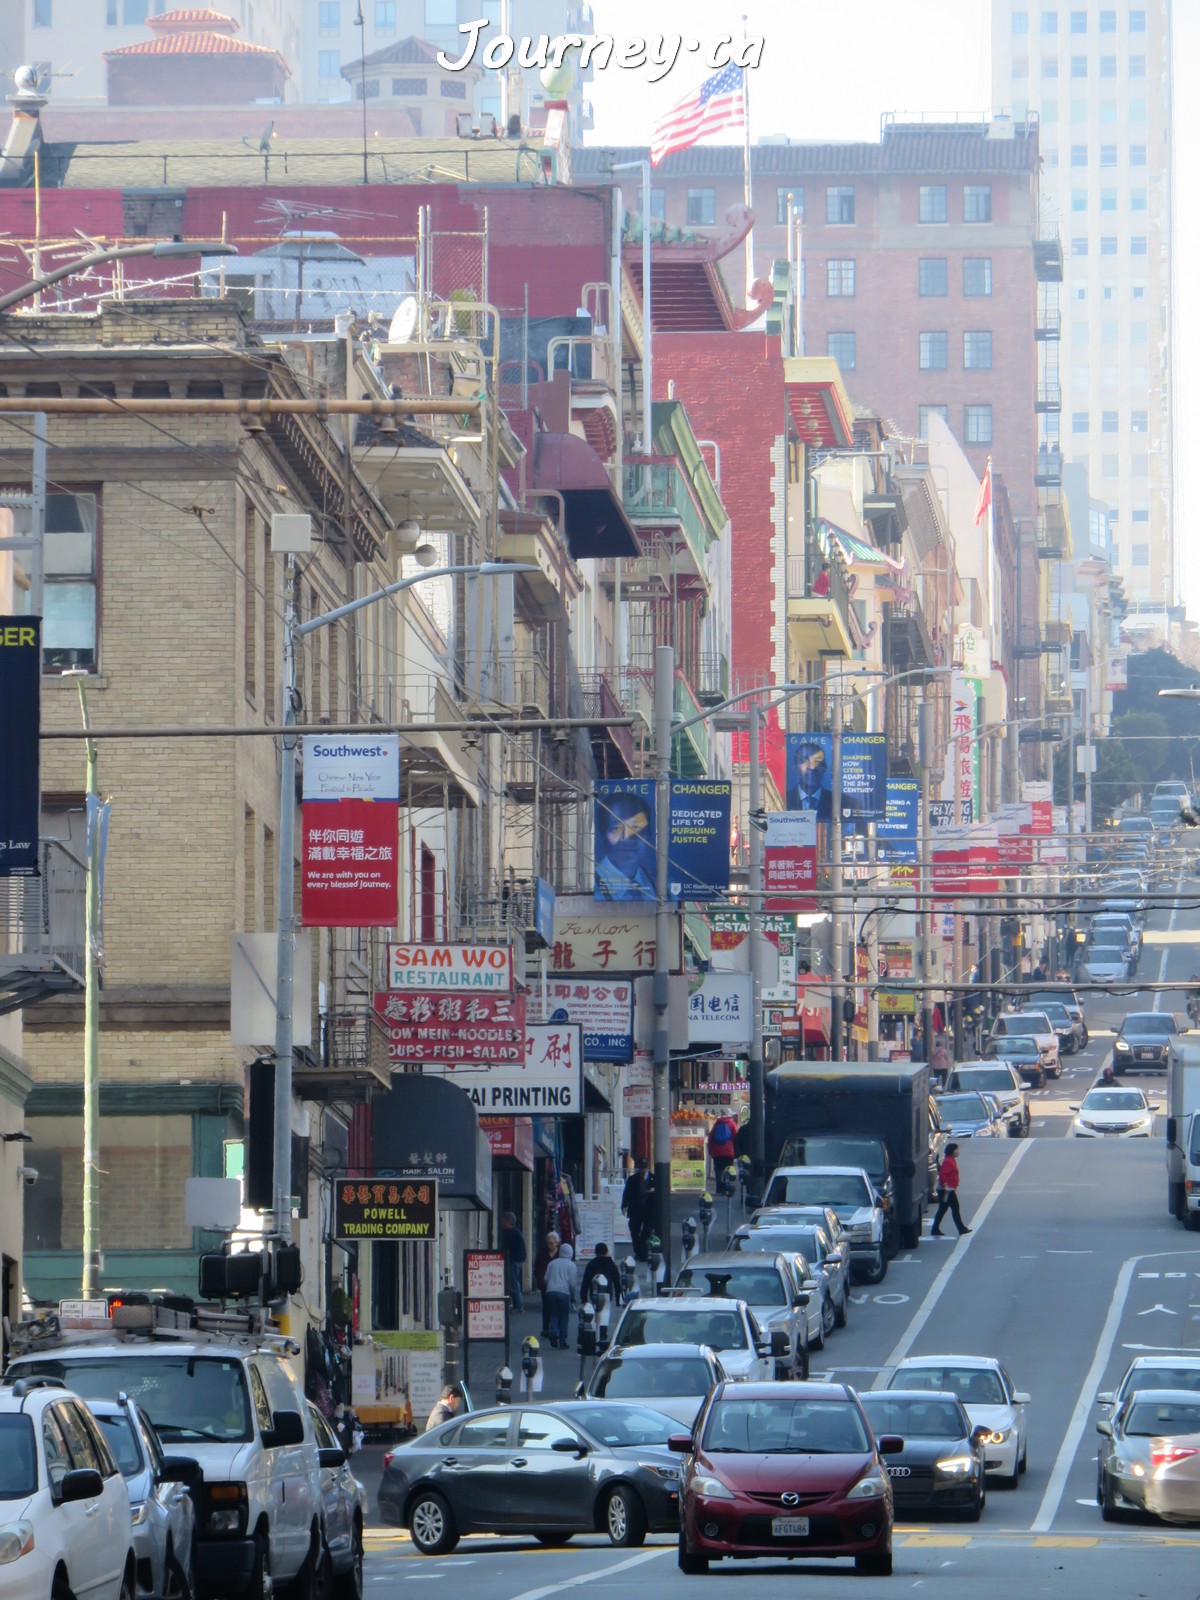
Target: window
(411, 88)
(782, 202)
(1108, 155)
(1139, 466)
(135, 12)
(1109, 333)
(1139, 422)
(1079, 22)
(658, 205)
(1108, 22)
(1049, 110)
(925, 412)
(1079, 422)
(1110, 422)
(1140, 514)
(457, 91)
(1079, 155)
(1020, 67)
(1049, 22)
(385, 16)
(1137, 22)
(931, 203)
(1079, 110)
(1108, 244)
(1050, 155)
(441, 13)
(540, 1431)
(843, 348)
(932, 352)
(977, 275)
(329, 16)
(1108, 66)
(978, 424)
(1049, 67)
(485, 1433)
(1137, 110)
(977, 202)
(110, 13)
(69, 626)
(1137, 199)
(1137, 245)
(977, 350)
(1020, 22)
(43, 14)
(932, 277)
(839, 279)
(701, 208)
(1079, 246)
(1108, 199)
(1079, 333)
(1140, 555)
(1108, 111)
(1137, 66)
(839, 205)
(329, 64)
(1079, 66)
(1079, 199)
(1137, 291)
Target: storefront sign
(790, 861)
(350, 828)
(611, 941)
(454, 968)
(637, 1086)
(603, 1009)
(896, 960)
(719, 1010)
(510, 1138)
(549, 1081)
(20, 724)
(385, 1210)
(478, 1028)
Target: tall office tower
(1098, 75)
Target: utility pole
(93, 1258)
(925, 743)
(837, 960)
(664, 712)
(758, 1146)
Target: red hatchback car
(785, 1470)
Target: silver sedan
(160, 1505)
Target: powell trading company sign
(391, 1209)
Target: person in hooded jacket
(562, 1278)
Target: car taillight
(1171, 1454)
(387, 1459)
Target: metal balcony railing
(656, 492)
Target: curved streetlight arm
(482, 569)
(122, 252)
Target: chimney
(25, 131)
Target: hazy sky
(831, 71)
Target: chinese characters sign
(452, 1027)
(604, 1010)
(388, 1209)
(549, 1081)
(350, 828)
(719, 1010)
(456, 968)
(610, 942)
(790, 861)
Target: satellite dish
(27, 78)
(404, 322)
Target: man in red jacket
(948, 1194)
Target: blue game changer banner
(896, 833)
(864, 775)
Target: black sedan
(582, 1466)
(942, 1465)
(1142, 1041)
(1020, 1050)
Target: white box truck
(1183, 1131)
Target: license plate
(789, 1527)
(1145, 1055)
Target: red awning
(594, 521)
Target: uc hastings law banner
(350, 822)
(20, 712)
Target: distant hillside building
(193, 58)
(407, 72)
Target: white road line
(592, 1577)
(938, 1286)
(1162, 965)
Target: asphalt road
(1073, 1266)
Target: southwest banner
(20, 728)
(350, 821)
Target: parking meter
(531, 1366)
(585, 1342)
(600, 1300)
(654, 1256)
(706, 1216)
(504, 1383)
(689, 1236)
(727, 1183)
(628, 1277)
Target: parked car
(162, 1510)
(943, 1466)
(1031, 1024)
(1142, 1041)
(582, 1467)
(67, 1525)
(671, 1378)
(1108, 1112)
(810, 1242)
(852, 1195)
(786, 1470)
(1036, 1000)
(989, 1396)
(778, 1297)
(727, 1326)
(1020, 1050)
(972, 1115)
(1154, 1372)
(783, 1216)
(1104, 964)
(1137, 1443)
(1003, 1083)
(344, 1510)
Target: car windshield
(757, 1286)
(1113, 1100)
(829, 1151)
(990, 1078)
(787, 1427)
(185, 1397)
(721, 1330)
(1016, 1044)
(18, 1457)
(623, 1427)
(1161, 1023)
(1037, 1020)
(1146, 1418)
(791, 1241)
(1162, 1377)
(979, 1386)
(963, 1108)
(661, 1376)
(122, 1443)
(828, 1189)
(915, 1419)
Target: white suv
(236, 1407)
(64, 1507)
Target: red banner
(790, 861)
(453, 1029)
(350, 864)
(510, 1136)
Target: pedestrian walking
(540, 1262)
(721, 1147)
(948, 1193)
(512, 1242)
(637, 1203)
(562, 1278)
(940, 1061)
(447, 1406)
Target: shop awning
(425, 1127)
(594, 521)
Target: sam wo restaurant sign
(392, 1209)
(451, 968)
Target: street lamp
(285, 938)
(161, 248)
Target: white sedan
(1114, 1113)
(990, 1400)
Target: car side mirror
(802, 1298)
(1105, 1397)
(891, 1444)
(1072, 1108)
(779, 1343)
(181, 1469)
(569, 1447)
(580, 1391)
(330, 1456)
(1021, 1398)
(1105, 1428)
(287, 1429)
(85, 1483)
(680, 1443)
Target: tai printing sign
(549, 1081)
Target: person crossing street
(948, 1194)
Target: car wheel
(874, 1564)
(828, 1318)
(875, 1274)
(692, 1566)
(975, 1511)
(262, 1584)
(431, 1524)
(841, 1310)
(311, 1582)
(800, 1367)
(1108, 1501)
(175, 1580)
(1024, 1462)
(127, 1586)
(348, 1585)
(817, 1342)
(625, 1519)
(551, 1536)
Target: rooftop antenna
(263, 146)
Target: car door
(74, 1520)
(106, 1533)
(548, 1485)
(472, 1470)
(335, 1499)
(291, 1475)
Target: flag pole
(749, 183)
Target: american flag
(720, 102)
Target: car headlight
(16, 1540)
(1121, 1047)
(869, 1488)
(139, 1512)
(710, 1488)
(660, 1471)
(983, 1133)
(998, 1436)
(955, 1466)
